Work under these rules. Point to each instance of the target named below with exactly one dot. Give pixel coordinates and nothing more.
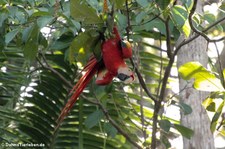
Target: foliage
(44, 46)
(205, 80)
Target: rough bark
(198, 120)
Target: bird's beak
(125, 78)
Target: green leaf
(139, 18)
(224, 73)
(179, 16)
(44, 20)
(186, 132)
(154, 24)
(165, 125)
(143, 3)
(99, 91)
(93, 119)
(110, 129)
(207, 102)
(188, 4)
(222, 7)
(204, 79)
(122, 20)
(216, 117)
(10, 35)
(80, 11)
(163, 4)
(209, 17)
(31, 46)
(211, 107)
(165, 141)
(83, 45)
(40, 13)
(119, 3)
(97, 50)
(186, 108)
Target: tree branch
(168, 41)
(184, 42)
(48, 67)
(195, 30)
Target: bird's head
(126, 49)
(125, 74)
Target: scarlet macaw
(114, 51)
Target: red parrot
(114, 51)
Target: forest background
(178, 60)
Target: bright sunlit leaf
(216, 117)
(224, 73)
(179, 17)
(209, 104)
(204, 79)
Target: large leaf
(10, 35)
(82, 12)
(143, 3)
(165, 125)
(31, 46)
(93, 119)
(83, 46)
(163, 4)
(179, 16)
(188, 4)
(186, 132)
(185, 108)
(204, 79)
(119, 3)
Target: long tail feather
(90, 70)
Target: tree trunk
(198, 120)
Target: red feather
(90, 70)
(112, 55)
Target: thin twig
(140, 78)
(220, 70)
(161, 69)
(128, 21)
(48, 67)
(168, 40)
